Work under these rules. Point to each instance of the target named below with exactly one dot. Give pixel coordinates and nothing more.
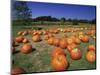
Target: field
(39, 60)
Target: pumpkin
(46, 37)
(70, 41)
(77, 40)
(91, 48)
(85, 39)
(20, 33)
(25, 40)
(36, 38)
(57, 51)
(59, 63)
(56, 42)
(27, 48)
(24, 33)
(50, 40)
(63, 43)
(19, 39)
(71, 46)
(91, 56)
(17, 71)
(75, 54)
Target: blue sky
(62, 10)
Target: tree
(75, 22)
(62, 20)
(22, 12)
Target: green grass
(39, 60)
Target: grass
(40, 58)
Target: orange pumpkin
(17, 71)
(46, 37)
(85, 39)
(56, 42)
(91, 48)
(27, 48)
(25, 40)
(91, 56)
(59, 63)
(75, 54)
(71, 46)
(70, 41)
(36, 38)
(50, 40)
(63, 43)
(24, 33)
(19, 39)
(20, 33)
(57, 51)
(77, 40)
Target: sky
(62, 10)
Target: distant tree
(75, 22)
(45, 18)
(93, 21)
(62, 19)
(69, 20)
(23, 13)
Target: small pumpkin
(91, 56)
(36, 38)
(17, 71)
(71, 46)
(91, 48)
(19, 39)
(63, 43)
(50, 40)
(75, 54)
(27, 48)
(20, 33)
(85, 39)
(25, 40)
(56, 41)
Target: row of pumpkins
(59, 60)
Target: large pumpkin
(36, 38)
(17, 71)
(19, 39)
(57, 51)
(59, 63)
(56, 41)
(27, 48)
(76, 54)
(91, 56)
(63, 43)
